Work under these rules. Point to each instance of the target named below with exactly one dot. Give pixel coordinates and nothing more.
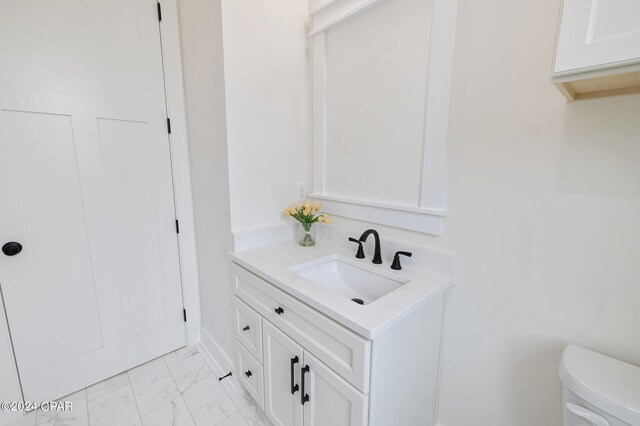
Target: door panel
(46, 206)
(9, 385)
(86, 187)
(104, 37)
(282, 407)
(131, 195)
(332, 401)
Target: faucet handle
(360, 253)
(396, 259)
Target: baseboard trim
(219, 361)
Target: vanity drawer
(250, 374)
(342, 350)
(248, 328)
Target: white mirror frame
(428, 216)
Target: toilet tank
(598, 390)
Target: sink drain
(358, 301)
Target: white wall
(266, 70)
(544, 202)
(201, 33)
(249, 153)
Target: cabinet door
(332, 401)
(248, 328)
(598, 34)
(281, 405)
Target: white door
(86, 189)
(332, 401)
(9, 385)
(597, 34)
(282, 365)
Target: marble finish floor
(178, 389)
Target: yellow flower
(294, 206)
(287, 212)
(306, 205)
(327, 220)
(321, 218)
(318, 206)
(314, 211)
(306, 211)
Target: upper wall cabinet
(382, 72)
(598, 48)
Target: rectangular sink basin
(349, 278)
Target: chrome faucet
(377, 258)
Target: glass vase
(306, 235)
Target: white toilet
(598, 390)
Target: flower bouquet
(307, 213)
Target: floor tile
(152, 385)
(155, 389)
(174, 413)
(115, 408)
(180, 354)
(189, 371)
(250, 410)
(76, 416)
(233, 420)
(27, 419)
(107, 386)
(208, 402)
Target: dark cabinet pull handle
(279, 311)
(248, 373)
(294, 387)
(245, 328)
(303, 396)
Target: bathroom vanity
(309, 355)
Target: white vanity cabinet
(301, 390)
(309, 370)
(598, 48)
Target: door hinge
(159, 12)
(184, 315)
(169, 125)
(177, 226)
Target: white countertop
(274, 262)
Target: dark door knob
(12, 248)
